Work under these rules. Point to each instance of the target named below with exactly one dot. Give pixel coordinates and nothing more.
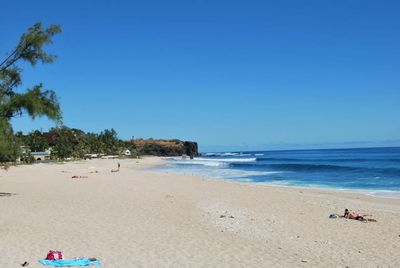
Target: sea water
(372, 171)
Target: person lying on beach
(79, 177)
(114, 170)
(355, 216)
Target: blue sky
(228, 74)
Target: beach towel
(69, 263)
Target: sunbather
(355, 216)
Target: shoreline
(142, 218)
(361, 192)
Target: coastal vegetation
(35, 101)
(72, 143)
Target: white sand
(139, 218)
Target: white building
(41, 156)
(126, 152)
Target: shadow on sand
(6, 194)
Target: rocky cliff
(166, 147)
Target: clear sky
(236, 74)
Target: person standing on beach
(119, 165)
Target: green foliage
(64, 142)
(27, 158)
(35, 101)
(161, 147)
(93, 144)
(110, 144)
(154, 148)
(9, 147)
(130, 145)
(36, 141)
(74, 143)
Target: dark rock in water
(191, 149)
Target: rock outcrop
(166, 147)
(191, 148)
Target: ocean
(371, 171)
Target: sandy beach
(141, 218)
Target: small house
(41, 156)
(126, 152)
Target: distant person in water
(355, 216)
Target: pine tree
(35, 101)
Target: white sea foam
(227, 154)
(225, 159)
(203, 163)
(213, 169)
(385, 194)
(221, 154)
(243, 180)
(234, 173)
(376, 193)
(210, 162)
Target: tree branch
(13, 60)
(12, 54)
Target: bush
(27, 158)
(9, 147)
